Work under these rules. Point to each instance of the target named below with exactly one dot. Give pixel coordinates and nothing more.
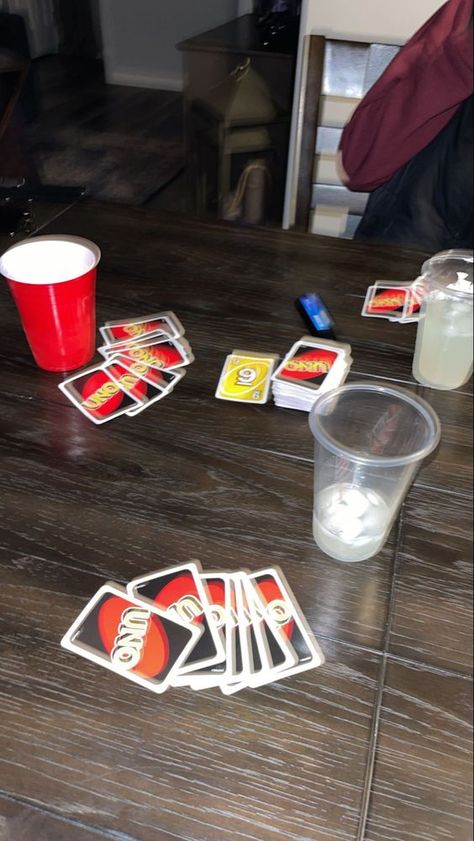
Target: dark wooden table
(374, 745)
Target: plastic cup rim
(339, 449)
(75, 240)
(437, 259)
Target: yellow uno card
(245, 378)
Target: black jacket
(428, 203)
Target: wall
(139, 37)
(365, 20)
(368, 20)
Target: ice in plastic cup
(370, 440)
(52, 280)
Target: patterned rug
(113, 166)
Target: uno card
(386, 302)
(135, 329)
(312, 363)
(136, 387)
(158, 353)
(281, 611)
(255, 661)
(416, 293)
(276, 651)
(162, 379)
(233, 655)
(180, 592)
(255, 354)
(97, 395)
(147, 389)
(222, 605)
(137, 640)
(245, 377)
(241, 656)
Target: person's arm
(409, 105)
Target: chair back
(336, 75)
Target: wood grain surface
(84, 754)
(22, 822)
(432, 617)
(423, 774)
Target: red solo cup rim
(49, 259)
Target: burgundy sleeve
(406, 109)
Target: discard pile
(145, 358)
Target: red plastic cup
(52, 279)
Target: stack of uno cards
(400, 302)
(185, 627)
(311, 367)
(144, 357)
(246, 376)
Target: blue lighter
(316, 315)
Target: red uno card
(310, 363)
(281, 610)
(160, 378)
(144, 391)
(133, 639)
(136, 329)
(276, 651)
(222, 605)
(416, 294)
(237, 650)
(98, 396)
(180, 592)
(160, 353)
(386, 302)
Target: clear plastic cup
(444, 339)
(370, 440)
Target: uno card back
(161, 353)
(220, 596)
(309, 363)
(282, 611)
(135, 640)
(180, 592)
(385, 302)
(97, 395)
(135, 329)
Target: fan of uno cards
(185, 627)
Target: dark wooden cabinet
(220, 142)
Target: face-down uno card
(145, 385)
(136, 640)
(98, 396)
(225, 605)
(311, 364)
(161, 379)
(281, 611)
(142, 327)
(386, 302)
(221, 598)
(242, 645)
(180, 592)
(276, 651)
(159, 353)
